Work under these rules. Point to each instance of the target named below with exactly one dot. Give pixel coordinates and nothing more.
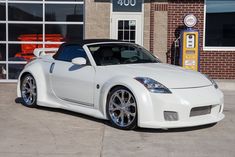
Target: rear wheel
(121, 108)
(29, 91)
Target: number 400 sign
(127, 5)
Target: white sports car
(121, 82)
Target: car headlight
(152, 85)
(212, 81)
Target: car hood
(168, 75)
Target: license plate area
(198, 111)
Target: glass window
(70, 52)
(111, 54)
(3, 71)
(25, 32)
(2, 52)
(67, 0)
(22, 52)
(2, 32)
(25, 0)
(24, 12)
(54, 37)
(127, 30)
(64, 12)
(14, 70)
(52, 45)
(25, 29)
(2, 11)
(68, 32)
(220, 23)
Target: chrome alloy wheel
(29, 90)
(122, 108)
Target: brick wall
(219, 65)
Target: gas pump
(189, 45)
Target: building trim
(219, 49)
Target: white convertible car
(121, 82)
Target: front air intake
(198, 111)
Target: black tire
(28, 89)
(126, 107)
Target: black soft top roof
(89, 41)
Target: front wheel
(29, 91)
(121, 108)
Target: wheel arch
(21, 76)
(140, 93)
(24, 74)
(115, 86)
(36, 70)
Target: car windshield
(121, 53)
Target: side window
(70, 52)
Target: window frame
(212, 48)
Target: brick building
(155, 24)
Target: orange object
(27, 57)
(27, 49)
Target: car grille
(198, 111)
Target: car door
(70, 82)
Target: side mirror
(79, 61)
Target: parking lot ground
(46, 132)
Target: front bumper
(181, 101)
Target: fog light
(170, 116)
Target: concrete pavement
(45, 132)
(228, 85)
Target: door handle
(52, 67)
